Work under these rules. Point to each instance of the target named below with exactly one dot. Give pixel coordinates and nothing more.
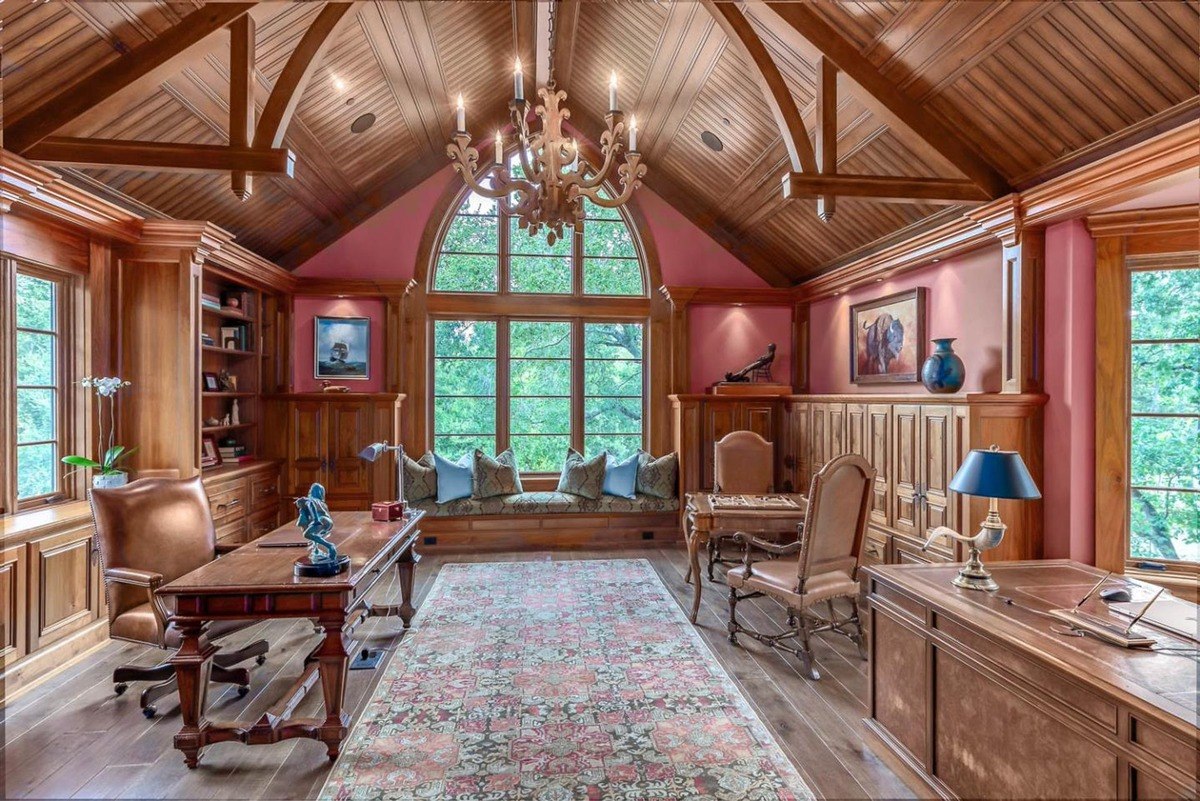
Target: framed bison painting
(887, 338)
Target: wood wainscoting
(914, 442)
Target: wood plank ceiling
(1033, 87)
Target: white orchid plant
(106, 390)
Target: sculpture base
(305, 567)
(749, 388)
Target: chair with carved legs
(743, 464)
(150, 533)
(820, 567)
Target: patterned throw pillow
(498, 476)
(420, 478)
(659, 477)
(583, 477)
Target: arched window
(534, 346)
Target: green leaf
(81, 461)
(111, 456)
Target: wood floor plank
(72, 737)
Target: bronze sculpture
(758, 371)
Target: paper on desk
(1172, 614)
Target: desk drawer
(264, 492)
(262, 521)
(233, 533)
(228, 502)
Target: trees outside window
(520, 370)
(1164, 430)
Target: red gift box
(386, 511)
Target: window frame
(72, 407)
(503, 434)
(1126, 240)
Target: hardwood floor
(71, 737)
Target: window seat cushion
(542, 503)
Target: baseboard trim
(46, 663)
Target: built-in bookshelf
(230, 367)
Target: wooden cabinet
(915, 443)
(320, 437)
(64, 585)
(245, 501)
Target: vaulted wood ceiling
(1033, 88)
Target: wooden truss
(814, 169)
(252, 148)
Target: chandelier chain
(551, 41)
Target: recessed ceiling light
(879, 280)
(935, 261)
(362, 122)
(713, 141)
(726, 121)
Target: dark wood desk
(703, 519)
(256, 583)
(982, 699)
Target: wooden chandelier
(553, 179)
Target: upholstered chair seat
(148, 534)
(778, 577)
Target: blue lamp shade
(995, 474)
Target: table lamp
(387, 510)
(993, 474)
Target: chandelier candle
(612, 92)
(461, 116)
(518, 82)
(632, 133)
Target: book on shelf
(210, 301)
(229, 453)
(205, 339)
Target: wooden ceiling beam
(884, 188)
(775, 90)
(297, 72)
(827, 131)
(148, 64)
(241, 96)
(566, 23)
(161, 156)
(884, 98)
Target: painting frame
(210, 454)
(360, 329)
(912, 354)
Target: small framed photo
(211, 382)
(228, 381)
(342, 348)
(210, 455)
(887, 338)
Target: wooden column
(800, 348)
(1022, 293)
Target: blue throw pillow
(453, 479)
(620, 478)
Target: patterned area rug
(557, 681)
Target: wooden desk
(256, 583)
(702, 520)
(983, 700)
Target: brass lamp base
(974, 576)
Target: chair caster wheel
(149, 712)
(120, 688)
(260, 660)
(243, 691)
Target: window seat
(547, 520)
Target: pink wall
(1069, 486)
(385, 246)
(963, 301)
(304, 309)
(726, 338)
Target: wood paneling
(64, 592)
(14, 567)
(1031, 88)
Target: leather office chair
(743, 464)
(148, 534)
(820, 566)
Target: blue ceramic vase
(943, 371)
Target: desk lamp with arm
(993, 474)
(387, 510)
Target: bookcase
(231, 349)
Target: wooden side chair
(821, 566)
(743, 464)
(150, 533)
